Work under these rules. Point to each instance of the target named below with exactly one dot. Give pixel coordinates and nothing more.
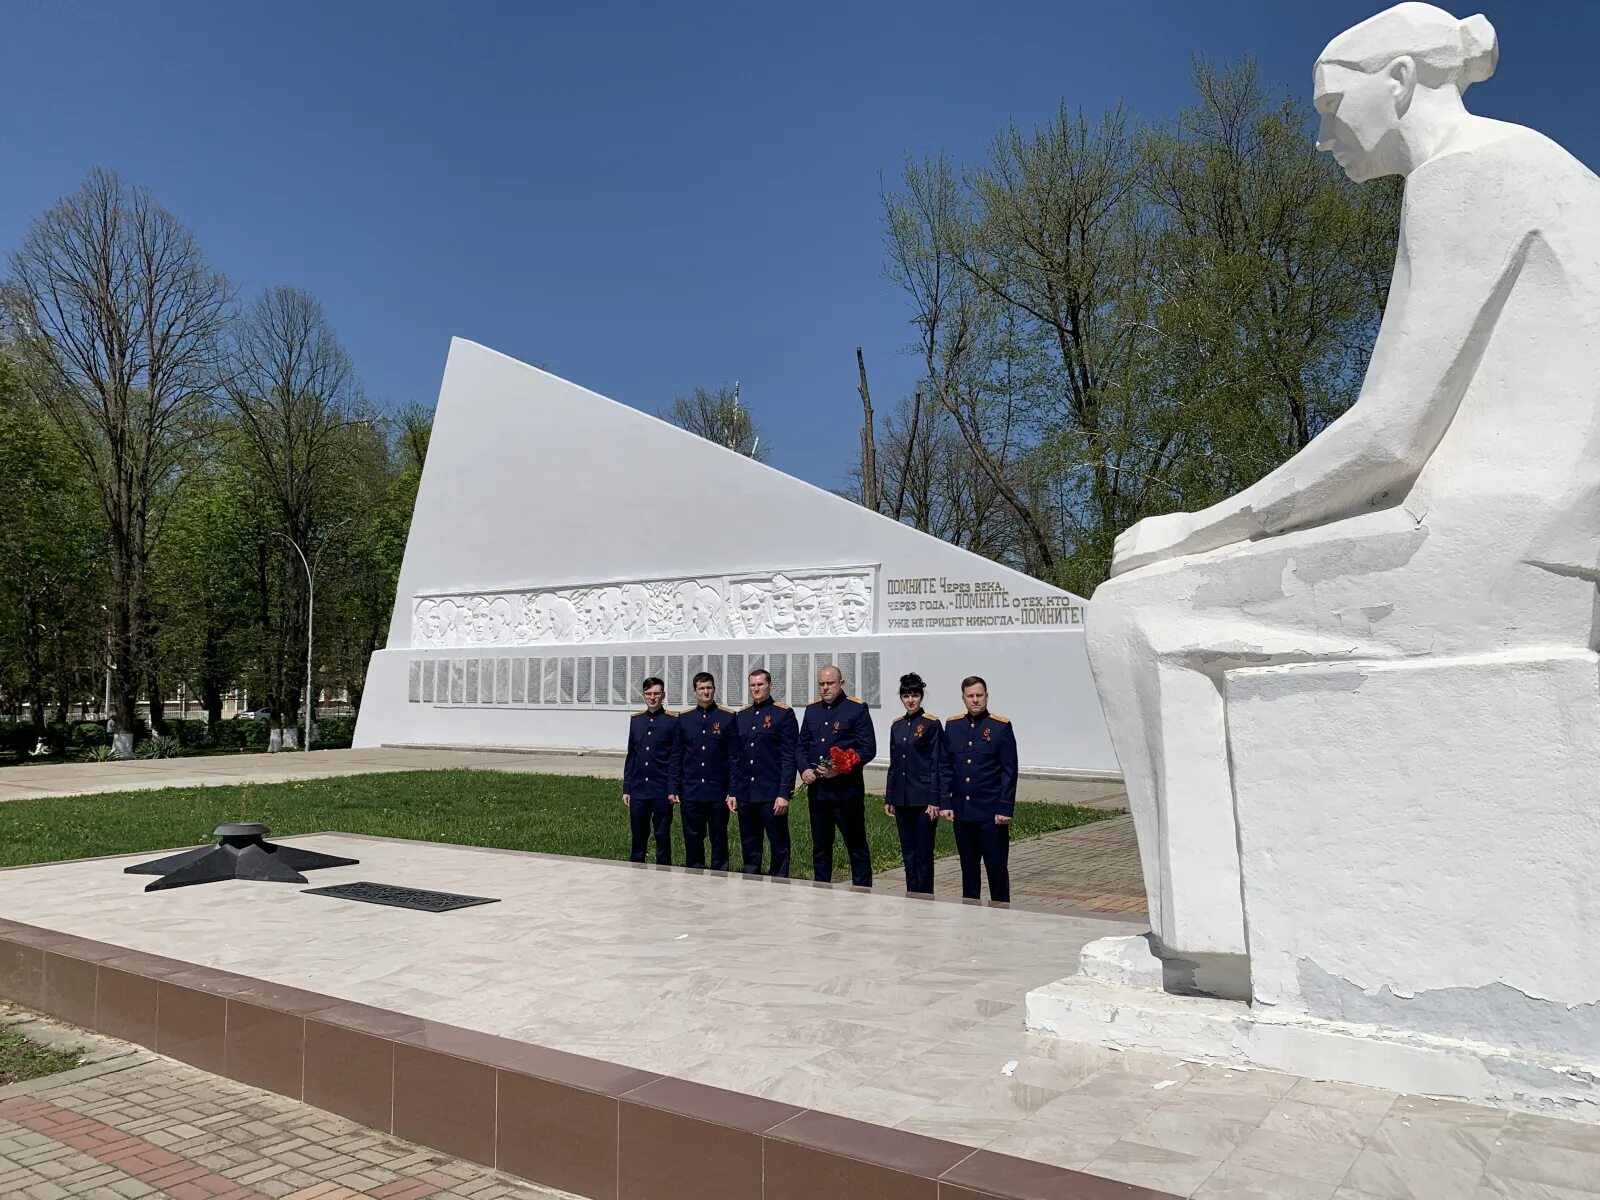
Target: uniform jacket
(846, 723)
(980, 767)
(652, 747)
(766, 740)
(916, 761)
(705, 744)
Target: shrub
(97, 754)
(333, 733)
(159, 747)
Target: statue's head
(1369, 81)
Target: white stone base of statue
(1418, 863)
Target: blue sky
(645, 197)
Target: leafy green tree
(203, 581)
(49, 544)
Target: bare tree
(118, 322)
(871, 480)
(718, 417)
(292, 387)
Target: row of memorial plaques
(614, 681)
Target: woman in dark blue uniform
(916, 757)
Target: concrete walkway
(77, 779)
(1093, 868)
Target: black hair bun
(913, 683)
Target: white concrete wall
(535, 483)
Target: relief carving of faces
(481, 622)
(564, 623)
(783, 598)
(634, 609)
(702, 610)
(607, 605)
(500, 620)
(752, 601)
(854, 611)
(808, 610)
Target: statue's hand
(1152, 540)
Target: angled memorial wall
(565, 546)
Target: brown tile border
(584, 1125)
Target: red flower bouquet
(839, 761)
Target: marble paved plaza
(897, 1012)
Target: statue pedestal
(1417, 848)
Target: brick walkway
(135, 1125)
(1092, 867)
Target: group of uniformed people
(711, 762)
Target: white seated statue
(1454, 510)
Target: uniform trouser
(991, 844)
(849, 816)
(755, 819)
(699, 816)
(647, 817)
(916, 846)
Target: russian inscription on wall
(930, 603)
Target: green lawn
(550, 813)
(21, 1059)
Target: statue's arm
(1454, 270)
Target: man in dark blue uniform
(913, 796)
(837, 799)
(647, 774)
(761, 778)
(700, 775)
(980, 785)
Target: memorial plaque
(414, 684)
(636, 675)
(535, 680)
(847, 673)
(619, 680)
(713, 667)
(658, 666)
(871, 683)
(473, 667)
(824, 659)
(736, 681)
(800, 683)
(602, 680)
(675, 696)
(400, 897)
(586, 681)
(502, 681)
(429, 676)
(552, 680)
(569, 679)
(519, 681)
(458, 677)
(778, 664)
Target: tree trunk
(158, 706)
(33, 661)
(869, 450)
(124, 681)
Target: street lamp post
(311, 608)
